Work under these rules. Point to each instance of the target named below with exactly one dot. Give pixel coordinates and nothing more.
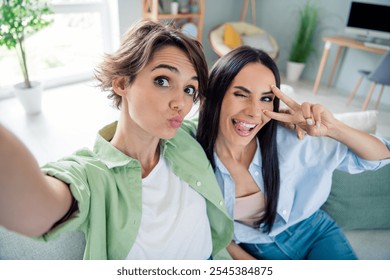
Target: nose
(253, 109)
(177, 103)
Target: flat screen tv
(369, 21)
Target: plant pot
(294, 70)
(30, 98)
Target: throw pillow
(289, 91)
(231, 37)
(365, 121)
(259, 41)
(360, 201)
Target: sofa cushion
(365, 120)
(370, 244)
(231, 36)
(68, 246)
(360, 201)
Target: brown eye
(190, 90)
(162, 82)
(266, 99)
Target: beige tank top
(249, 209)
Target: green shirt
(107, 187)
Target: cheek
(268, 106)
(188, 103)
(266, 119)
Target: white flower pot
(294, 70)
(30, 98)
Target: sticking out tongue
(243, 129)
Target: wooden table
(342, 43)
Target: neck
(235, 153)
(138, 144)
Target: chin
(167, 136)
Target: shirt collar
(111, 156)
(257, 161)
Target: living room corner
(360, 204)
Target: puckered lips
(243, 128)
(175, 122)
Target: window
(67, 50)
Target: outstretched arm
(316, 120)
(30, 202)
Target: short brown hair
(138, 45)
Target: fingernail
(300, 135)
(318, 124)
(309, 122)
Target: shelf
(172, 16)
(151, 10)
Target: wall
(274, 16)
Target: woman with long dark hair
(274, 183)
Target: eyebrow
(166, 66)
(248, 91)
(172, 69)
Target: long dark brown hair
(222, 74)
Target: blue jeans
(316, 238)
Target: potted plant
(18, 20)
(303, 42)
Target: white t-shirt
(174, 223)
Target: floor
(72, 115)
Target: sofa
(360, 204)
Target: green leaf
(303, 42)
(18, 19)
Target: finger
(286, 111)
(285, 98)
(317, 112)
(306, 109)
(282, 117)
(291, 126)
(300, 132)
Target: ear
(119, 86)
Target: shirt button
(198, 183)
(221, 203)
(256, 173)
(284, 212)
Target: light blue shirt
(306, 167)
